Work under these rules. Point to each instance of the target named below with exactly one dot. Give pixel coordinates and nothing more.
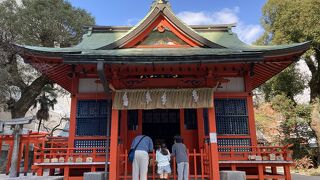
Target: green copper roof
(231, 41)
(91, 42)
(97, 40)
(217, 40)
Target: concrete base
(93, 176)
(232, 175)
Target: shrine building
(162, 78)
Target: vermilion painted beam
(162, 83)
(179, 69)
(93, 96)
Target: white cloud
(195, 18)
(246, 32)
(223, 16)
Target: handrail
(251, 152)
(198, 161)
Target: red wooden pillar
(252, 124)
(21, 146)
(124, 128)
(73, 111)
(9, 156)
(213, 145)
(72, 129)
(1, 139)
(66, 173)
(26, 157)
(260, 172)
(200, 124)
(274, 171)
(287, 172)
(113, 145)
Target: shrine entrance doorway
(161, 125)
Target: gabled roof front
(161, 9)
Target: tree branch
(28, 96)
(55, 128)
(311, 65)
(317, 57)
(14, 72)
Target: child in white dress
(163, 161)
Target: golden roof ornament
(161, 1)
(164, 2)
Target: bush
(303, 163)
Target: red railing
(69, 154)
(57, 147)
(198, 165)
(199, 160)
(57, 142)
(32, 138)
(245, 153)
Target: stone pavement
(30, 177)
(303, 177)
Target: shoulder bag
(132, 151)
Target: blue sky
(246, 13)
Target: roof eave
(299, 49)
(134, 60)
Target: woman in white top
(163, 161)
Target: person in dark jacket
(141, 156)
(179, 150)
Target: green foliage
(295, 126)
(52, 21)
(39, 23)
(261, 120)
(290, 82)
(303, 163)
(290, 21)
(46, 100)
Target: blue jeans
(183, 171)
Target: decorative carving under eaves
(133, 82)
(192, 82)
